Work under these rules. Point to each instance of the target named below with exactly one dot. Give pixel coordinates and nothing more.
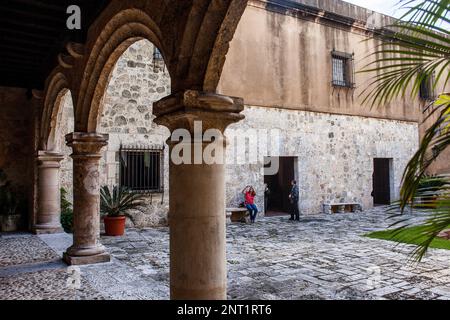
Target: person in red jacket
(249, 194)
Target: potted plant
(10, 217)
(114, 207)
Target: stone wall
(442, 164)
(287, 64)
(335, 154)
(136, 82)
(16, 138)
(66, 125)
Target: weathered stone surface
(16, 146)
(86, 155)
(272, 259)
(48, 219)
(20, 249)
(327, 171)
(128, 122)
(45, 285)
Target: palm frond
(411, 51)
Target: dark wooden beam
(37, 4)
(20, 49)
(32, 15)
(26, 34)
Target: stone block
(76, 261)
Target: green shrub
(66, 212)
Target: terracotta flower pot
(114, 226)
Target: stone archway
(56, 88)
(193, 37)
(136, 145)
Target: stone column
(86, 248)
(197, 217)
(48, 219)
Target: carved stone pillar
(197, 215)
(86, 248)
(48, 219)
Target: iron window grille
(426, 90)
(343, 73)
(142, 169)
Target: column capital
(49, 158)
(182, 109)
(86, 144)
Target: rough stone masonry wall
(127, 117)
(16, 147)
(66, 125)
(335, 154)
(15, 138)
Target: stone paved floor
(321, 257)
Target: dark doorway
(277, 199)
(381, 181)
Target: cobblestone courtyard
(320, 257)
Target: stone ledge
(40, 231)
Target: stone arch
(124, 29)
(206, 37)
(193, 37)
(56, 89)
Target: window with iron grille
(141, 169)
(342, 69)
(426, 91)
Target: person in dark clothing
(293, 197)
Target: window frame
(347, 69)
(140, 186)
(426, 89)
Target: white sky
(389, 7)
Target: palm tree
(414, 50)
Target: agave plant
(416, 49)
(117, 202)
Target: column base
(41, 229)
(76, 261)
(192, 294)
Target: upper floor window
(157, 56)
(158, 60)
(342, 68)
(141, 170)
(426, 90)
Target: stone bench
(237, 214)
(341, 207)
